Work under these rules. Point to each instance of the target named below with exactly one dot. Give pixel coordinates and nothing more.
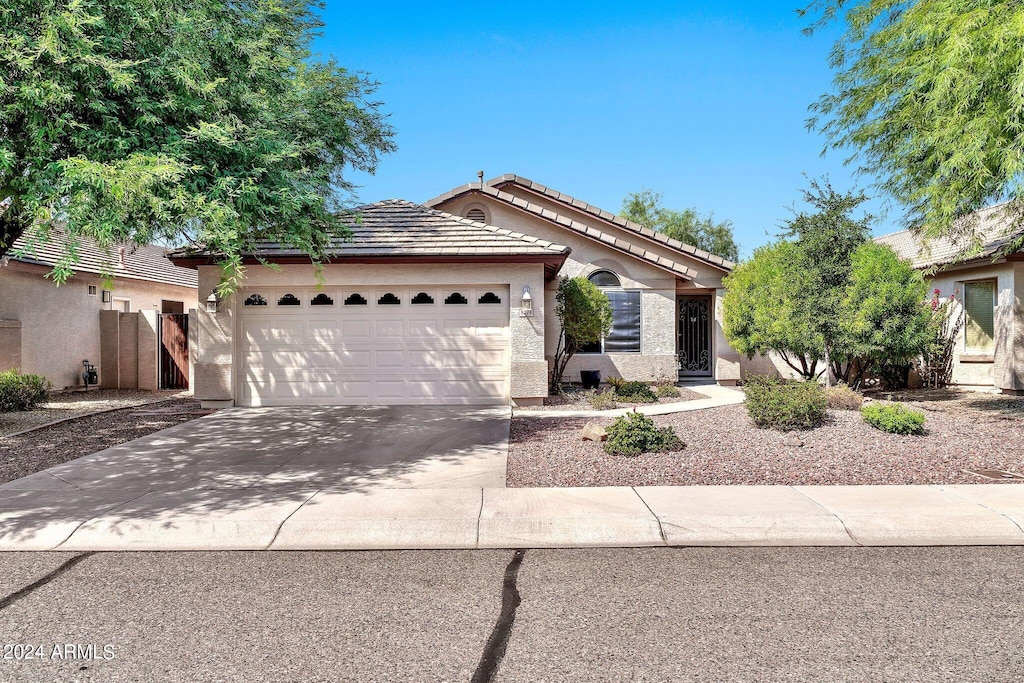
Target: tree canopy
(207, 122)
(825, 292)
(688, 226)
(929, 96)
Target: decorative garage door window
(255, 300)
(289, 300)
(456, 298)
(321, 300)
(355, 300)
(423, 298)
(489, 298)
(624, 336)
(389, 299)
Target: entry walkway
(716, 397)
(297, 516)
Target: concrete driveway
(346, 448)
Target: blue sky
(703, 102)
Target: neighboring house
(989, 291)
(49, 330)
(454, 303)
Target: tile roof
(984, 234)
(584, 207)
(396, 227)
(571, 224)
(141, 262)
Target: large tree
(929, 95)
(824, 292)
(206, 122)
(688, 226)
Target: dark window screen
(625, 333)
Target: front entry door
(694, 348)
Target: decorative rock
(793, 439)
(593, 432)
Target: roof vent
(476, 214)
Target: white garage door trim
(439, 351)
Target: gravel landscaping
(724, 447)
(574, 398)
(29, 453)
(68, 404)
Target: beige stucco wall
(658, 287)
(61, 325)
(214, 369)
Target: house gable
(653, 249)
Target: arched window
(604, 278)
(624, 336)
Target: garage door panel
(403, 354)
(389, 328)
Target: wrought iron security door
(694, 336)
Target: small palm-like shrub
(895, 418)
(22, 392)
(842, 397)
(778, 404)
(667, 391)
(635, 433)
(635, 392)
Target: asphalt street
(658, 614)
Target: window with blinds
(624, 337)
(979, 310)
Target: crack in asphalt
(27, 590)
(497, 643)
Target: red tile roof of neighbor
(994, 229)
(141, 262)
(493, 188)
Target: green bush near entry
(895, 418)
(777, 404)
(635, 433)
(635, 392)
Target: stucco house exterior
(49, 330)
(453, 302)
(989, 293)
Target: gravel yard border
(39, 449)
(723, 447)
(79, 416)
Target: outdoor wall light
(211, 303)
(526, 307)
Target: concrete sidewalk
(297, 516)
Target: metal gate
(694, 336)
(174, 351)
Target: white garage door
(397, 346)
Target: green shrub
(21, 392)
(635, 392)
(667, 391)
(615, 383)
(842, 397)
(785, 405)
(602, 400)
(895, 418)
(635, 433)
